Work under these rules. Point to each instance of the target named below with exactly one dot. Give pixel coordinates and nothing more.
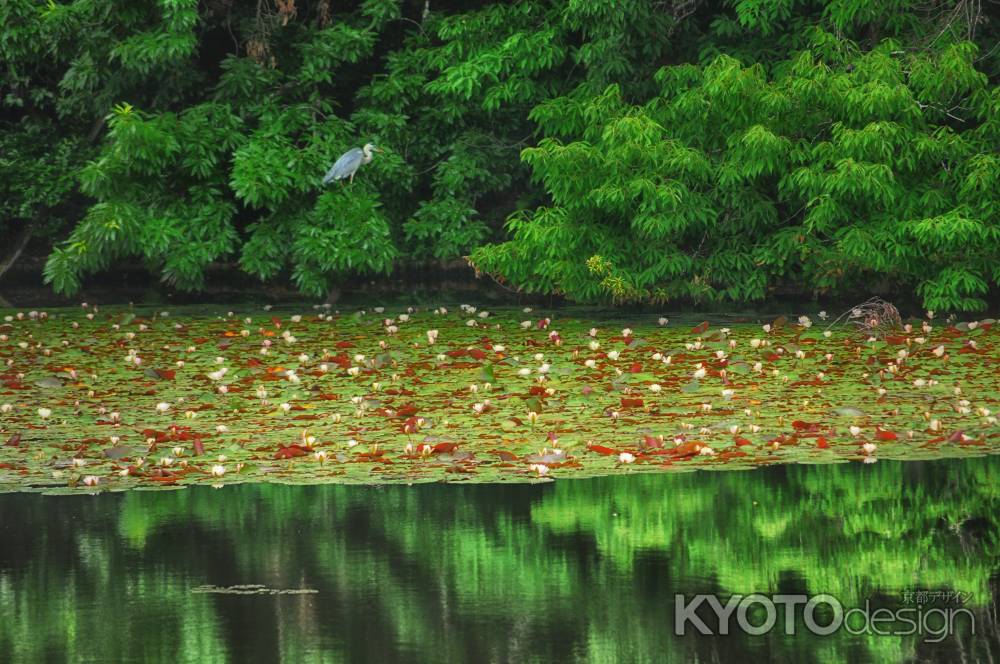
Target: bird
(350, 162)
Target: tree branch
(20, 242)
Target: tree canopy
(626, 150)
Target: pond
(456, 484)
(574, 570)
(118, 398)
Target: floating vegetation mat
(112, 399)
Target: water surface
(574, 570)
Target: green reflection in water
(581, 569)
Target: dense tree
(629, 149)
(836, 162)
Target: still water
(573, 570)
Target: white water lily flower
(218, 375)
(524, 371)
(163, 406)
(655, 388)
(91, 480)
(539, 468)
(627, 332)
(432, 336)
(218, 470)
(44, 413)
(525, 324)
(700, 373)
(939, 351)
(869, 448)
(805, 322)
(663, 321)
(590, 364)
(626, 457)
(613, 355)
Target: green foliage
(835, 168)
(693, 150)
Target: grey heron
(350, 162)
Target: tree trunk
(20, 242)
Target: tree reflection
(582, 569)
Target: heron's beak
(379, 150)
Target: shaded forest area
(627, 151)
